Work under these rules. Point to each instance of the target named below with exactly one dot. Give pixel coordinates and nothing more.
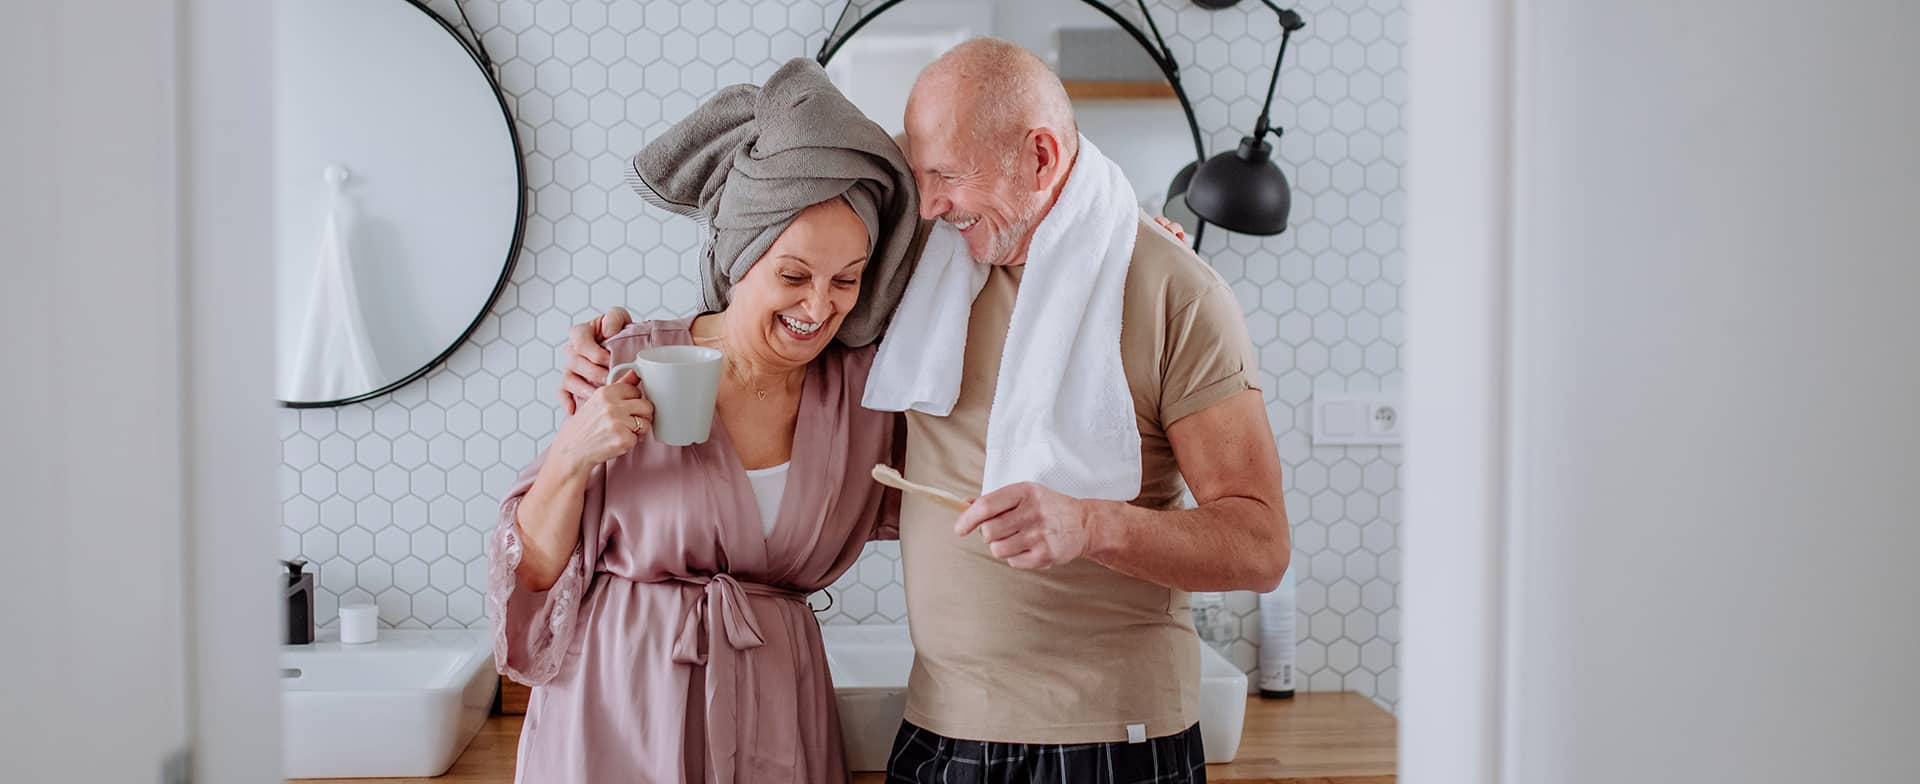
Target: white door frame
(231, 444)
(1462, 171)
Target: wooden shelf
(1119, 91)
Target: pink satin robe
(678, 646)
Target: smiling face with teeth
(990, 137)
(790, 304)
(974, 190)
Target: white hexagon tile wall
(390, 498)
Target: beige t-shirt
(1076, 653)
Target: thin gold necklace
(734, 368)
(745, 379)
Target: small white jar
(359, 623)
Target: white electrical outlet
(1364, 420)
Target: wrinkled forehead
(946, 143)
(942, 114)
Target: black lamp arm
(1289, 22)
(1164, 55)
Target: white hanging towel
(1062, 411)
(334, 357)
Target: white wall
(1708, 527)
(1031, 23)
(1148, 139)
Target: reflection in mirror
(398, 195)
(1120, 99)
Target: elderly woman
(654, 596)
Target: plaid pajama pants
(922, 757)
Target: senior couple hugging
(979, 303)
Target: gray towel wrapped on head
(747, 161)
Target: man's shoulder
(1165, 275)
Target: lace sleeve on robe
(532, 630)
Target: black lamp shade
(1241, 191)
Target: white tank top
(769, 485)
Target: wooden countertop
(1314, 738)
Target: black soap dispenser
(299, 596)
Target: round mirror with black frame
(1116, 66)
(400, 195)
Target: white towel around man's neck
(1062, 413)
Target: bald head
(995, 92)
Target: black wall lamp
(1242, 190)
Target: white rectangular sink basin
(870, 664)
(406, 705)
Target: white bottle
(1276, 639)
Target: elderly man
(1050, 620)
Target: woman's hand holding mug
(607, 424)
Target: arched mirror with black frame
(400, 195)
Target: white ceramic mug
(682, 382)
